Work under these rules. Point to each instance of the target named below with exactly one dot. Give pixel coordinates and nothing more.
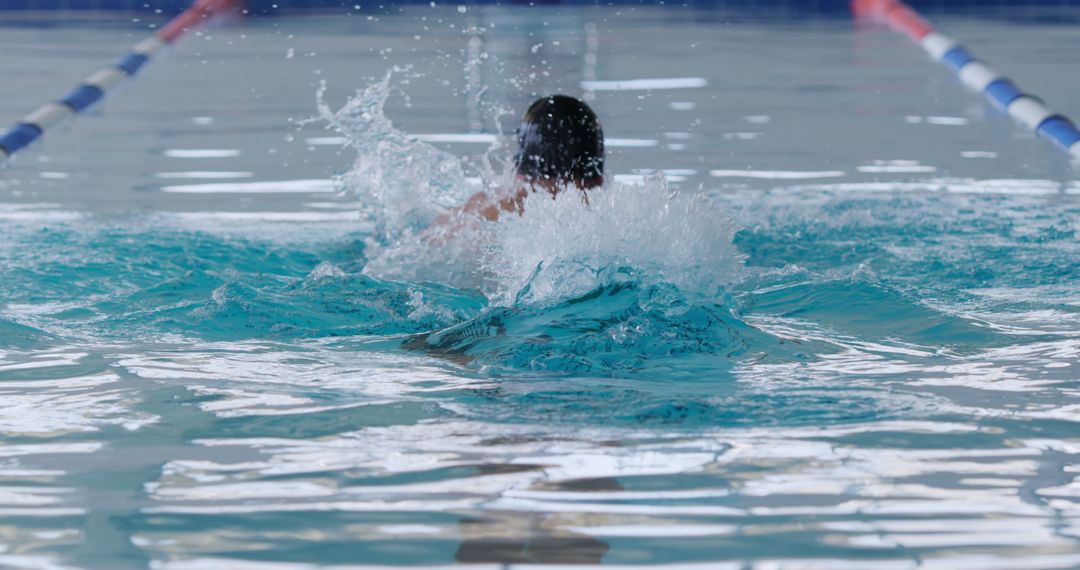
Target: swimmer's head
(560, 143)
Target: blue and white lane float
(1002, 93)
(94, 87)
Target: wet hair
(560, 139)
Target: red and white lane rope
(94, 87)
(978, 75)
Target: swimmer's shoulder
(490, 207)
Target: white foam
(205, 174)
(41, 216)
(615, 143)
(895, 167)
(950, 185)
(269, 187)
(479, 138)
(235, 564)
(558, 246)
(269, 216)
(202, 153)
(883, 169)
(948, 121)
(327, 141)
(645, 84)
(334, 205)
(475, 138)
(937, 120)
(654, 530)
(776, 174)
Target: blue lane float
(1002, 93)
(82, 97)
(93, 88)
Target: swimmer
(560, 145)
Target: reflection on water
(365, 456)
(857, 348)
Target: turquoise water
(840, 329)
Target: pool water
(826, 314)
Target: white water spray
(556, 248)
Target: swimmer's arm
(478, 207)
(483, 206)
(490, 209)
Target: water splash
(564, 246)
(403, 184)
(557, 249)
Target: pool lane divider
(1027, 109)
(93, 88)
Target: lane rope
(93, 88)
(1027, 109)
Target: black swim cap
(560, 139)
